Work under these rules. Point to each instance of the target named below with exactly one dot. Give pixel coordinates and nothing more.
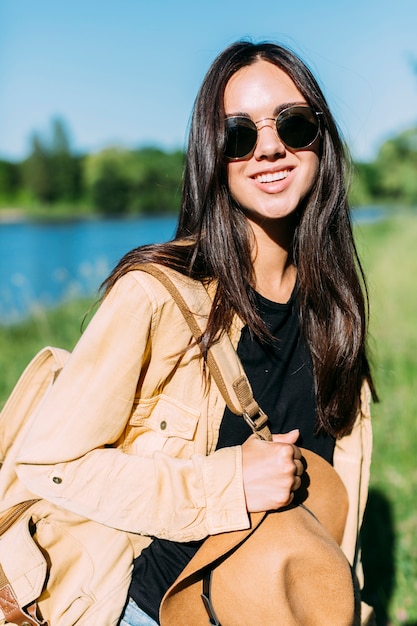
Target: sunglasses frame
(249, 123)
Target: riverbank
(11, 216)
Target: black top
(280, 373)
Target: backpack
(15, 418)
(52, 561)
(25, 523)
(28, 392)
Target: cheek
(235, 180)
(311, 170)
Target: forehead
(258, 89)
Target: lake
(44, 264)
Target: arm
(67, 459)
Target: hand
(271, 471)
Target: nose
(269, 145)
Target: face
(272, 182)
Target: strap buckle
(257, 424)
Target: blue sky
(127, 71)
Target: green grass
(18, 343)
(388, 251)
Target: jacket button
(163, 425)
(57, 480)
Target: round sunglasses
(297, 127)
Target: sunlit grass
(19, 342)
(389, 253)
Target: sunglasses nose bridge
(264, 122)
(267, 122)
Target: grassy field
(388, 252)
(18, 343)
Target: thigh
(134, 616)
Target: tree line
(112, 182)
(392, 176)
(121, 182)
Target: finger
(290, 437)
(296, 484)
(299, 468)
(297, 452)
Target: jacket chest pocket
(161, 423)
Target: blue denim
(134, 616)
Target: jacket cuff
(225, 497)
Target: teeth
(272, 177)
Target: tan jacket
(127, 435)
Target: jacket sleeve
(67, 456)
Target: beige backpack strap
(223, 362)
(11, 515)
(28, 392)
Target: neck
(273, 265)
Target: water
(366, 214)
(42, 265)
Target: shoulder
(155, 291)
(140, 285)
(163, 284)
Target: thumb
(290, 437)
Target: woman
(265, 224)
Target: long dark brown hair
(332, 288)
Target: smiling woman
(272, 180)
(136, 431)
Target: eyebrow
(277, 110)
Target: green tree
(396, 165)
(392, 176)
(111, 191)
(145, 181)
(9, 180)
(65, 168)
(52, 173)
(108, 180)
(36, 171)
(157, 182)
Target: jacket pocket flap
(166, 416)
(23, 562)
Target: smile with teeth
(272, 177)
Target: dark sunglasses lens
(241, 136)
(298, 127)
